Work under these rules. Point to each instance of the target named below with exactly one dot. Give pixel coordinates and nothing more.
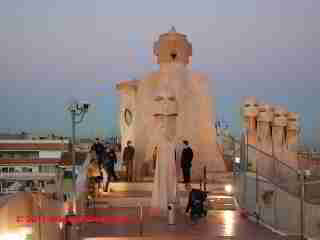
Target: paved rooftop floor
(217, 225)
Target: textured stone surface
(196, 108)
(219, 225)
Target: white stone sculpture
(264, 140)
(280, 150)
(196, 106)
(165, 179)
(293, 131)
(250, 113)
(279, 124)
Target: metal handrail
(140, 217)
(274, 158)
(268, 155)
(205, 178)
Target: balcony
(32, 161)
(27, 176)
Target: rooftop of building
(14, 136)
(35, 145)
(26, 161)
(80, 158)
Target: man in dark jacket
(186, 162)
(128, 154)
(110, 161)
(99, 149)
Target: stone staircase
(124, 194)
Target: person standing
(93, 175)
(99, 149)
(110, 161)
(186, 162)
(128, 154)
(154, 158)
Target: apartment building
(31, 164)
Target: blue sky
(54, 50)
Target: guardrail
(269, 182)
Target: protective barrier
(276, 194)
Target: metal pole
(245, 169)
(205, 178)
(247, 152)
(73, 116)
(140, 216)
(257, 190)
(302, 206)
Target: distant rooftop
(80, 158)
(15, 136)
(86, 140)
(10, 145)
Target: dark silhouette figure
(128, 154)
(186, 162)
(99, 149)
(110, 161)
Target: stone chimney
(279, 125)
(172, 47)
(293, 129)
(250, 113)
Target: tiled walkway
(218, 225)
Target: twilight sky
(51, 51)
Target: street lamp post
(77, 110)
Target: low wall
(11, 208)
(46, 207)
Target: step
(147, 186)
(132, 199)
(220, 177)
(212, 177)
(221, 203)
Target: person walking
(99, 149)
(110, 161)
(186, 162)
(93, 177)
(128, 154)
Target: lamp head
(85, 106)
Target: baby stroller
(196, 203)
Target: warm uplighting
(25, 231)
(12, 236)
(229, 223)
(228, 188)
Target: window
(11, 169)
(5, 170)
